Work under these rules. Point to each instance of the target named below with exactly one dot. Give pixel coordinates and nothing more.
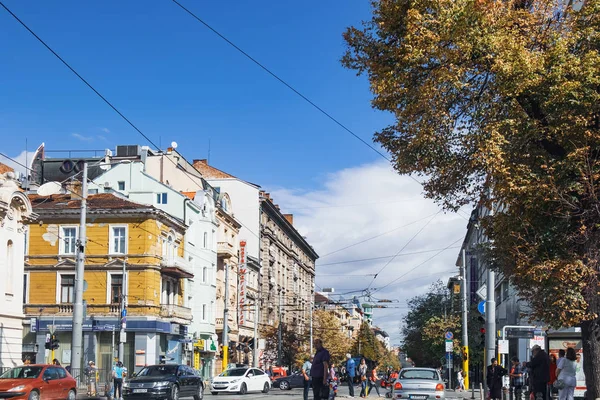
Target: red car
(37, 382)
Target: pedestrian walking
(319, 371)
(306, 374)
(539, 368)
(332, 382)
(362, 372)
(373, 381)
(566, 376)
(494, 379)
(351, 373)
(90, 374)
(461, 380)
(55, 362)
(119, 373)
(517, 378)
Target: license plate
(140, 390)
(417, 397)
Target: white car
(240, 380)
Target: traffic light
(465, 354)
(54, 342)
(482, 331)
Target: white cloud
(83, 138)
(105, 130)
(359, 203)
(22, 160)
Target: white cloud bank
(22, 160)
(371, 200)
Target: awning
(176, 272)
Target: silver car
(418, 384)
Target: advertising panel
(242, 283)
(563, 343)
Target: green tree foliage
(291, 345)
(327, 327)
(366, 344)
(502, 97)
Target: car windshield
(22, 373)
(234, 372)
(159, 370)
(419, 374)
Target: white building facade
(15, 210)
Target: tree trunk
(590, 334)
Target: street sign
(503, 346)
(449, 346)
(482, 292)
(449, 335)
(519, 333)
(481, 307)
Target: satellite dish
(174, 145)
(49, 188)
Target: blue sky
(177, 81)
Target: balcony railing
(175, 311)
(226, 250)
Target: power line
(403, 247)
(255, 61)
(378, 258)
(79, 76)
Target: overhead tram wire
(403, 247)
(379, 258)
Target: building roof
(5, 168)
(98, 201)
(210, 172)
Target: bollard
(472, 391)
(481, 391)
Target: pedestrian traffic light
(482, 331)
(54, 342)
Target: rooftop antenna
(208, 158)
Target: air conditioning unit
(128, 151)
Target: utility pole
(465, 331)
(254, 359)
(311, 322)
(225, 338)
(77, 334)
(490, 313)
(280, 327)
(122, 334)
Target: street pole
(311, 323)
(225, 338)
(122, 334)
(490, 313)
(280, 327)
(465, 331)
(77, 334)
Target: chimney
(277, 207)
(74, 188)
(290, 218)
(202, 161)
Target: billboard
(242, 283)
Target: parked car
(418, 384)
(240, 380)
(37, 381)
(164, 381)
(296, 380)
(278, 372)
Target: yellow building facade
(122, 235)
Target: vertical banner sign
(242, 282)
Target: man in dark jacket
(539, 368)
(494, 379)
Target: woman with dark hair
(362, 372)
(565, 376)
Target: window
(116, 288)
(10, 259)
(161, 198)
(204, 316)
(121, 185)
(67, 288)
(204, 274)
(118, 240)
(92, 191)
(69, 236)
(205, 239)
(25, 284)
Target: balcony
(226, 250)
(175, 311)
(64, 309)
(176, 267)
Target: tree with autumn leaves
(498, 102)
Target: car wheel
(72, 395)
(243, 389)
(200, 394)
(284, 385)
(174, 393)
(214, 393)
(34, 395)
(266, 388)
